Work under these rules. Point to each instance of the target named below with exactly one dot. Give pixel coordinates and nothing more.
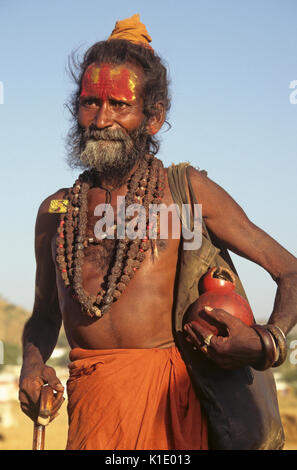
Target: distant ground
(12, 320)
(20, 436)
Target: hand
(31, 381)
(242, 345)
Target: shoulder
(204, 187)
(187, 175)
(215, 200)
(194, 173)
(47, 203)
(47, 219)
(199, 179)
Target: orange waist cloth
(132, 399)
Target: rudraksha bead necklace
(145, 186)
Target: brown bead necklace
(145, 186)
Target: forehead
(122, 82)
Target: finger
(59, 397)
(58, 387)
(58, 400)
(29, 410)
(219, 314)
(200, 331)
(204, 349)
(230, 322)
(194, 338)
(54, 410)
(50, 377)
(30, 390)
(57, 405)
(37, 384)
(51, 401)
(24, 407)
(23, 398)
(188, 338)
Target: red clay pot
(218, 287)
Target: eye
(90, 103)
(119, 104)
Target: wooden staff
(43, 419)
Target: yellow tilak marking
(132, 80)
(58, 206)
(95, 74)
(114, 72)
(132, 85)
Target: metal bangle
(269, 347)
(280, 339)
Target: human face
(111, 97)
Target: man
(129, 387)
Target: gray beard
(107, 156)
(112, 153)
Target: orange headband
(132, 30)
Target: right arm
(41, 332)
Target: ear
(156, 121)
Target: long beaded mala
(145, 186)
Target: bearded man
(129, 387)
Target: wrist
(32, 355)
(274, 348)
(269, 349)
(280, 340)
(31, 362)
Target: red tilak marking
(105, 81)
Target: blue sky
(230, 63)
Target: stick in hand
(45, 409)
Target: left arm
(228, 222)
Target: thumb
(220, 315)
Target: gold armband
(58, 206)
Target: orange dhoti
(132, 399)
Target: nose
(103, 117)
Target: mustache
(115, 135)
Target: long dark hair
(119, 51)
